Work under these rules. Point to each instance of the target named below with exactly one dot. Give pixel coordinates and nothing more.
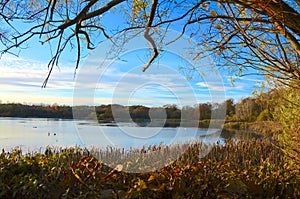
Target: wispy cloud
(215, 86)
(21, 80)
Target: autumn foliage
(244, 169)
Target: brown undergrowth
(243, 169)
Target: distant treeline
(35, 111)
(103, 112)
(248, 109)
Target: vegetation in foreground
(244, 169)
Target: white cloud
(21, 80)
(214, 86)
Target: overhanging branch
(148, 36)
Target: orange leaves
(177, 171)
(151, 178)
(254, 169)
(218, 26)
(213, 13)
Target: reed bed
(254, 168)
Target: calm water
(35, 134)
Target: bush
(288, 114)
(244, 169)
(265, 115)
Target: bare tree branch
(84, 15)
(148, 36)
(261, 35)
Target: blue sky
(167, 81)
(21, 79)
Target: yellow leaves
(273, 50)
(232, 170)
(152, 177)
(206, 5)
(78, 177)
(213, 13)
(195, 168)
(247, 22)
(141, 184)
(138, 7)
(137, 188)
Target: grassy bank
(265, 128)
(252, 168)
(171, 123)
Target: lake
(34, 134)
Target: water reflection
(33, 134)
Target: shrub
(244, 169)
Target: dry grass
(243, 169)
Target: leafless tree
(261, 34)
